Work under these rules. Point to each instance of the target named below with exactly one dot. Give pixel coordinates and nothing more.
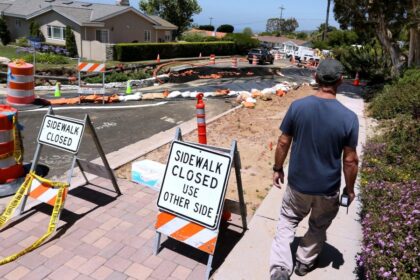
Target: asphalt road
(119, 127)
(116, 128)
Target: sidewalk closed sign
(61, 133)
(194, 184)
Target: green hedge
(401, 97)
(149, 51)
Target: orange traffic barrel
(20, 83)
(10, 146)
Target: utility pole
(211, 19)
(281, 17)
(281, 11)
(324, 34)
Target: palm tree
(324, 34)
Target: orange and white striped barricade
(192, 195)
(212, 59)
(234, 62)
(254, 60)
(276, 56)
(89, 67)
(20, 83)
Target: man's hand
(350, 193)
(278, 177)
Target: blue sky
(254, 13)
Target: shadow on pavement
(349, 90)
(329, 255)
(93, 196)
(229, 236)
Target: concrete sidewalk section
(250, 258)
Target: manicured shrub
(227, 28)
(206, 27)
(402, 97)
(118, 77)
(149, 51)
(47, 58)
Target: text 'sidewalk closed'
(195, 183)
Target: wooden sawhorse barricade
(187, 229)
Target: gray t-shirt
(320, 128)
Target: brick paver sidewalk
(102, 237)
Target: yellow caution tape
(18, 151)
(15, 202)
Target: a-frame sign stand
(85, 126)
(165, 227)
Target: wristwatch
(277, 169)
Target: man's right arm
(350, 168)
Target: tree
(35, 31)
(243, 42)
(385, 19)
(71, 42)
(227, 28)
(342, 38)
(282, 25)
(273, 25)
(248, 31)
(302, 35)
(178, 12)
(207, 27)
(4, 32)
(289, 25)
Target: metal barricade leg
(157, 243)
(209, 263)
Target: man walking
(323, 134)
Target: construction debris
(246, 98)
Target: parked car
(263, 56)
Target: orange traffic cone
(158, 59)
(356, 81)
(293, 60)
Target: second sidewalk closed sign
(194, 184)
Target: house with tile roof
(96, 26)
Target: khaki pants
(295, 207)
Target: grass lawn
(10, 52)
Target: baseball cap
(329, 71)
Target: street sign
(62, 133)
(194, 184)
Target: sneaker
(280, 273)
(302, 269)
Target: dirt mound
(187, 75)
